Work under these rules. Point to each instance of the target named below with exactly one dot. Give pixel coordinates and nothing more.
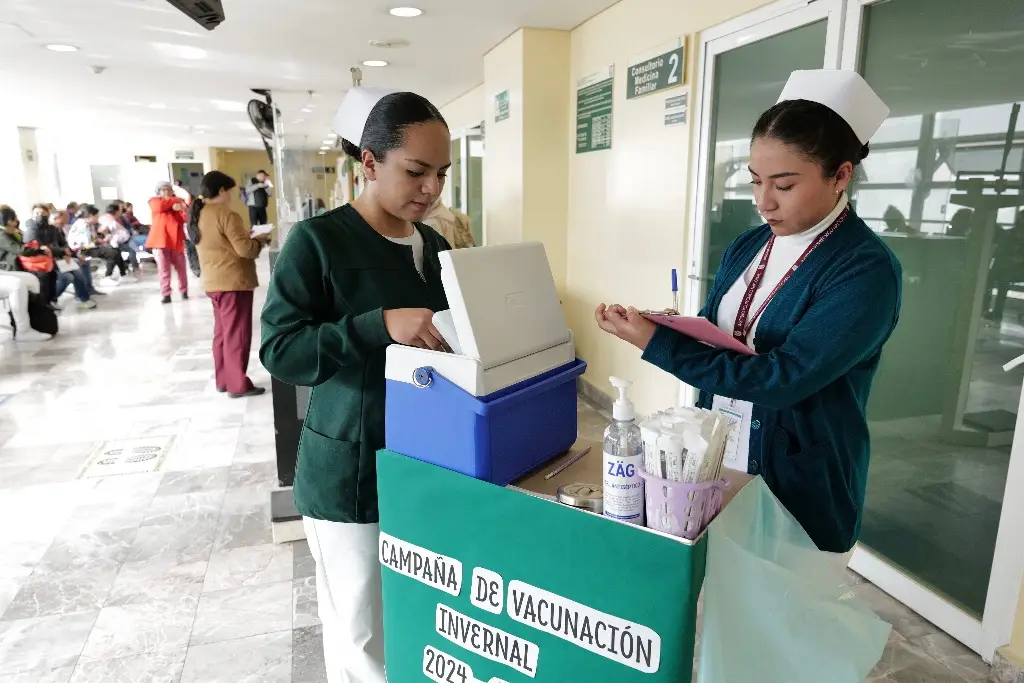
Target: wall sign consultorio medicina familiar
(661, 72)
(627, 643)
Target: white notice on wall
(625, 642)
(487, 641)
(440, 571)
(108, 193)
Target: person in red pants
(167, 239)
(228, 269)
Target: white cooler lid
(503, 302)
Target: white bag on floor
(776, 610)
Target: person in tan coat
(453, 225)
(227, 259)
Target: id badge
(737, 446)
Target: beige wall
(545, 141)
(242, 163)
(628, 207)
(239, 164)
(503, 160)
(1015, 650)
(614, 223)
(466, 111)
(526, 167)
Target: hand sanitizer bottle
(623, 459)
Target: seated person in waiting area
(13, 253)
(116, 234)
(138, 230)
(46, 228)
(83, 237)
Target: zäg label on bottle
(623, 488)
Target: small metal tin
(584, 496)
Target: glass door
(455, 179)
(464, 190)
(745, 66)
(474, 184)
(944, 189)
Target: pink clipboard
(701, 329)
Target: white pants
(15, 290)
(348, 589)
(28, 279)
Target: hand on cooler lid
(414, 327)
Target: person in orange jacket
(167, 239)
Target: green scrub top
(323, 327)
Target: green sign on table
(485, 583)
(658, 73)
(594, 96)
(501, 110)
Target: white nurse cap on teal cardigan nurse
(844, 92)
(355, 109)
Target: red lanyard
(741, 328)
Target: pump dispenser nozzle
(622, 409)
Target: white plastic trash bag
(775, 609)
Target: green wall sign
(501, 108)
(594, 96)
(658, 73)
(485, 583)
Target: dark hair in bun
(351, 150)
(386, 124)
(816, 131)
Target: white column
(13, 189)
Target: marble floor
(172, 576)
(157, 577)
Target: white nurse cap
(355, 109)
(844, 92)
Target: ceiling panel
(159, 70)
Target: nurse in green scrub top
(345, 286)
(814, 292)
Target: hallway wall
(627, 207)
(503, 160)
(239, 164)
(466, 111)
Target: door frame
(995, 627)
(762, 23)
(842, 50)
(462, 138)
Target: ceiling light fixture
(375, 62)
(61, 47)
(389, 44)
(158, 105)
(307, 110)
(324, 148)
(405, 12)
(322, 153)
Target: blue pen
(675, 291)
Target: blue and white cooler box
(506, 402)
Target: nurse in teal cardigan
(814, 292)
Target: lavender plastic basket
(682, 509)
